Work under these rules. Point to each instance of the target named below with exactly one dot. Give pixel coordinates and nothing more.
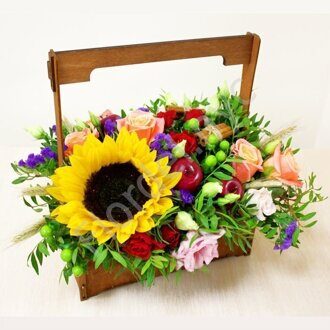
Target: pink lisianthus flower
(145, 124)
(283, 167)
(202, 250)
(252, 160)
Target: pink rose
(202, 250)
(143, 123)
(282, 166)
(77, 138)
(251, 163)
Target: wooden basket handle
(66, 67)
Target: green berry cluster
(218, 151)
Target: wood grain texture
(74, 66)
(77, 65)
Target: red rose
(171, 235)
(169, 117)
(191, 144)
(195, 113)
(141, 245)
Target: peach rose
(283, 167)
(143, 123)
(77, 138)
(252, 160)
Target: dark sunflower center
(116, 192)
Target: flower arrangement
(154, 189)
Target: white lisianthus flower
(37, 132)
(263, 200)
(213, 106)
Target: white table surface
(265, 283)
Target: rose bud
(184, 221)
(228, 199)
(179, 150)
(271, 146)
(211, 189)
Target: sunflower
(114, 187)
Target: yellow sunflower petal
(63, 213)
(126, 230)
(164, 204)
(145, 222)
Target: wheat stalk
(279, 135)
(34, 191)
(28, 232)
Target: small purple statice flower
(145, 109)
(287, 242)
(110, 126)
(33, 160)
(163, 144)
(186, 196)
(54, 129)
(48, 153)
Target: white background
(292, 85)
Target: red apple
(233, 186)
(192, 174)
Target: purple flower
(33, 160)
(186, 196)
(163, 144)
(54, 128)
(287, 241)
(48, 153)
(109, 126)
(145, 109)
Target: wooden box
(65, 67)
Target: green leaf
(150, 276)
(43, 249)
(34, 263)
(172, 264)
(271, 233)
(310, 224)
(74, 255)
(145, 267)
(222, 176)
(157, 263)
(39, 256)
(101, 257)
(295, 237)
(119, 258)
(21, 179)
(241, 244)
(97, 252)
(136, 262)
(228, 168)
(307, 216)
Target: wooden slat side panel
(77, 65)
(98, 280)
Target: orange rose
(77, 138)
(252, 160)
(143, 123)
(283, 167)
